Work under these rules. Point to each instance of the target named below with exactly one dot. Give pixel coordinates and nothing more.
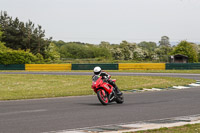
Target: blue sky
(94, 21)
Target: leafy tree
(195, 46)
(139, 54)
(127, 49)
(9, 56)
(39, 59)
(117, 54)
(1, 33)
(20, 35)
(163, 53)
(186, 48)
(104, 44)
(51, 53)
(2, 46)
(199, 53)
(149, 49)
(59, 43)
(73, 50)
(164, 41)
(77, 50)
(197, 49)
(150, 46)
(102, 53)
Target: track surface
(54, 114)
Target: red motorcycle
(105, 92)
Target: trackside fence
(42, 67)
(142, 66)
(91, 66)
(12, 67)
(120, 66)
(182, 66)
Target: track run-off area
(58, 114)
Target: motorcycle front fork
(112, 95)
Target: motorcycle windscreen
(95, 78)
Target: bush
(83, 51)
(186, 48)
(10, 56)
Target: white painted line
(193, 84)
(68, 132)
(180, 87)
(21, 112)
(156, 89)
(156, 126)
(153, 89)
(175, 87)
(137, 126)
(147, 89)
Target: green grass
(14, 86)
(100, 60)
(139, 82)
(195, 128)
(133, 71)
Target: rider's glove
(105, 77)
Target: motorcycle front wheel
(120, 99)
(103, 96)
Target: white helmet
(97, 70)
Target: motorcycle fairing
(98, 83)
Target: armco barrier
(12, 67)
(182, 66)
(142, 66)
(91, 66)
(39, 67)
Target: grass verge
(194, 128)
(28, 86)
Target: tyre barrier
(42, 67)
(120, 66)
(91, 66)
(142, 66)
(12, 67)
(182, 66)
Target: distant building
(179, 59)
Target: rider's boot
(119, 93)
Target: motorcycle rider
(106, 76)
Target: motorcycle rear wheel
(103, 97)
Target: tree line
(24, 42)
(24, 37)
(143, 51)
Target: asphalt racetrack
(57, 114)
